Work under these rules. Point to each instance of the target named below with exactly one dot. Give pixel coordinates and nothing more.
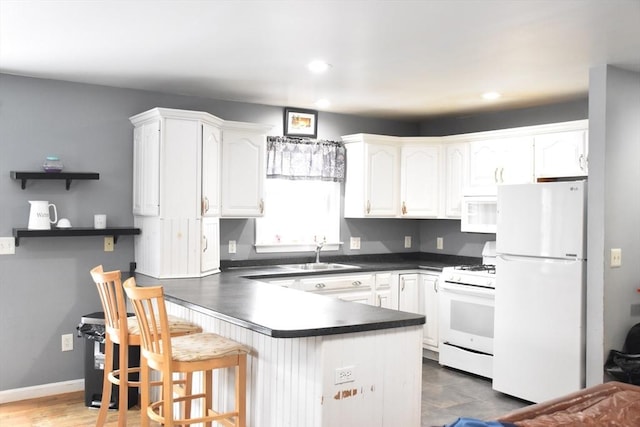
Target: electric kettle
(39, 215)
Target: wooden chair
(185, 355)
(124, 331)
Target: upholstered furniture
(124, 331)
(186, 355)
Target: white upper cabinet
(146, 169)
(244, 169)
(185, 162)
(211, 148)
(456, 177)
(420, 180)
(561, 154)
(372, 181)
(507, 160)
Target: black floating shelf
(19, 233)
(67, 176)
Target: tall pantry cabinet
(178, 188)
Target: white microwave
(479, 214)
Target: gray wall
(614, 212)
(45, 287)
(465, 123)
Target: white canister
(100, 221)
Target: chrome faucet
(319, 246)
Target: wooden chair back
(114, 305)
(149, 307)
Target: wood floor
(446, 395)
(63, 410)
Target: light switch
(616, 257)
(354, 243)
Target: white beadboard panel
(387, 367)
(291, 381)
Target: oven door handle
(468, 290)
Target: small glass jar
(52, 164)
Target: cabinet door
(382, 180)
(456, 177)
(420, 181)
(211, 140)
(409, 294)
(516, 161)
(146, 169)
(210, 249)
(243, 173)
(484, 163)
(561, 154)
(429, 288)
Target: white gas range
(466, 306)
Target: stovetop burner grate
(489, 268)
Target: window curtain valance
(312, 159)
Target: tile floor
(448, 394)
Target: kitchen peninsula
(316, 361)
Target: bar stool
(185, 355)
(124, 331)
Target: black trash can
(92, 328)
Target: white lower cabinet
(410, 291)
(429, 298)
(418, 293)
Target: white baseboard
(42, 390)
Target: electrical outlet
(407, 241)
(7, 246)
(67, 342)
(354, 243)
(345, 375)
(616, 257)
(108, 244)
(232, 246)
(440, 243)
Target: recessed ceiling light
(490, 96)
(318, 66)
(322, 103)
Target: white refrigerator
(539, 334)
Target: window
(299, 213)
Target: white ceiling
(398, 59)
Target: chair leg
(167, 396)
(123, 389)
(144, 391)
(207, 384)
(188, 390)
(241, 390)
(106, 384)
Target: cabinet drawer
(383, 281)
(335, 283)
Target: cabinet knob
(368, 206)
(501, 175)
(495, 175)
(356, 283)
(404, 208)
(261, 206)
(320, 285)
(205, 244)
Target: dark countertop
(238, 296)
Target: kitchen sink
(316, 266)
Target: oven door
(466, 316)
